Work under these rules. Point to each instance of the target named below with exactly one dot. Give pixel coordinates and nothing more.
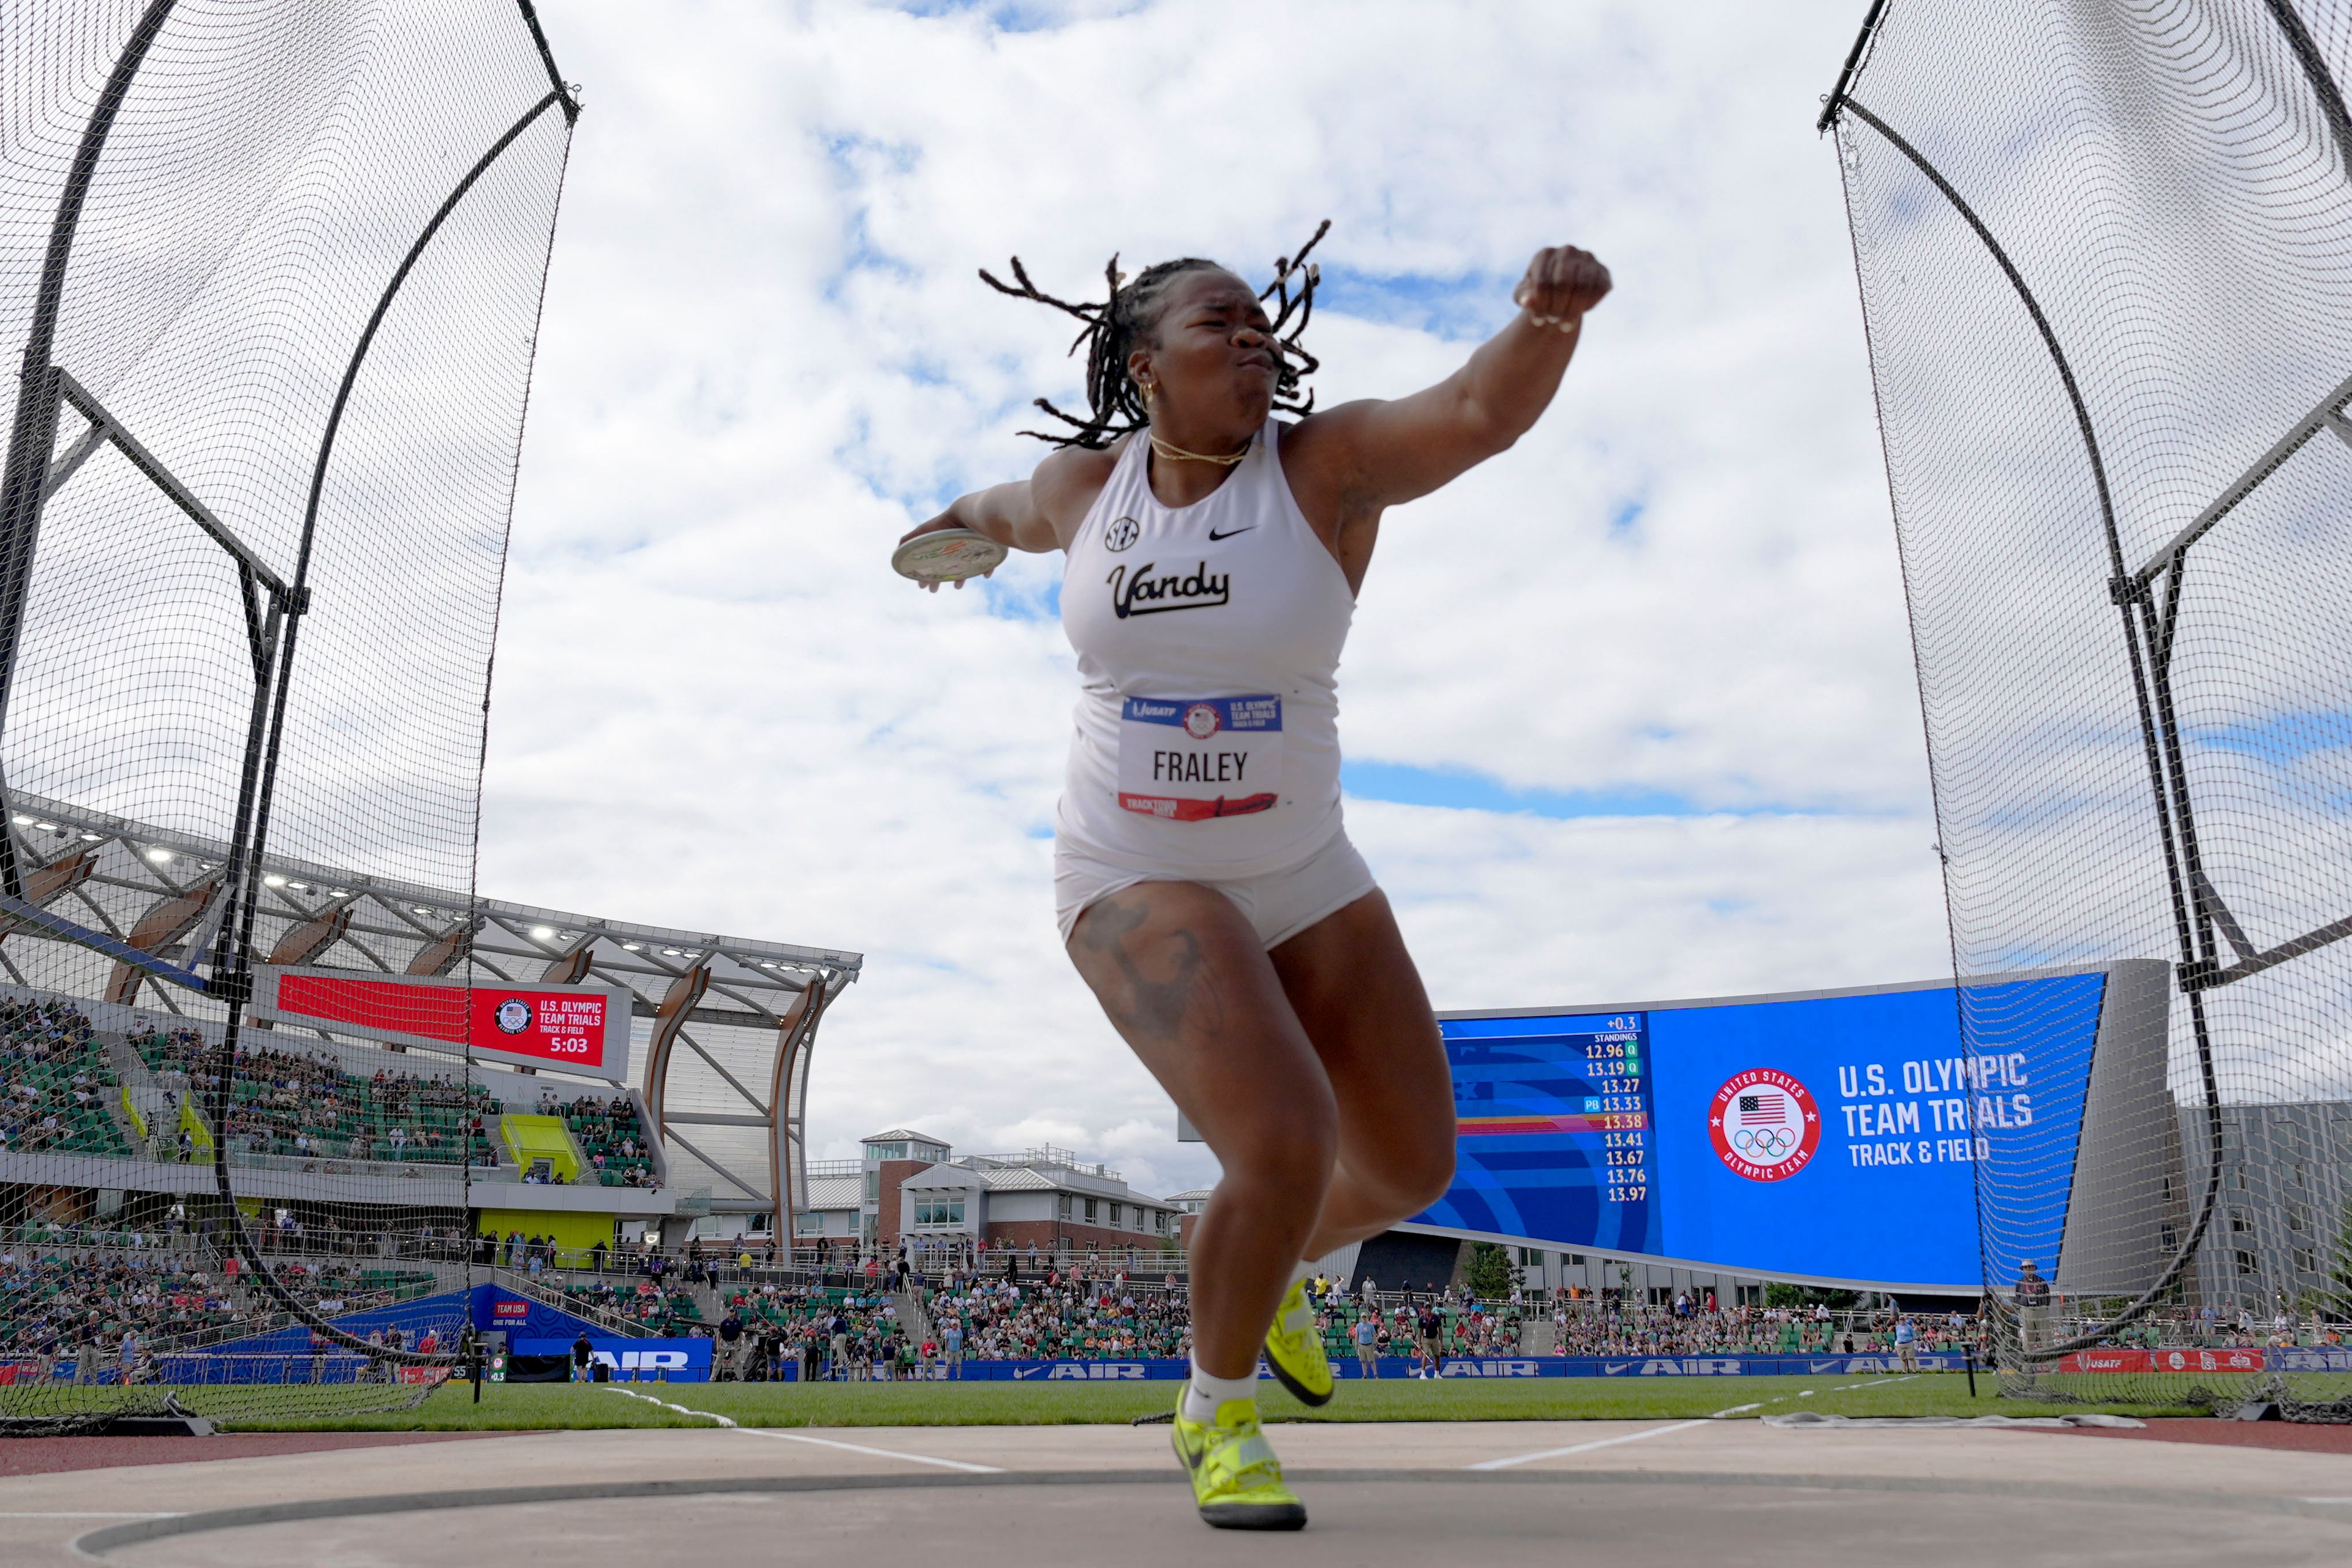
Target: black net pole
(254, 510)
(34, 431)
(260, 782)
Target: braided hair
(1113, 326)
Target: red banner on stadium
(578, 1028)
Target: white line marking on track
(820, 1442)
(1586, 1448)
(666, 1405)
(861, 1448)
(1736, 1410)
(116, 1513)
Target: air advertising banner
(1833, 1136)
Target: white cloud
(764, 353)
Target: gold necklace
(1163, 450)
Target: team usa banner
(575, 1029)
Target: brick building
(909, 1184)
(1048, 1198)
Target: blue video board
(1554, 1120)
(1835, 1137)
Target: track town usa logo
(1764, 1124)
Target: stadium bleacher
(650, 1305)
(58, 1092)
(63, 1287)
(291, 1103)
(611, 1139)
(1064, 1319)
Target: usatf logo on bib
(1764, 1124)
(1193, 759)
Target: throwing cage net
(272, 271)
(2105, 250)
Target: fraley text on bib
(1188, 759)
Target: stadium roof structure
(722, 1029)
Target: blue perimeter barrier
(1461, 1366)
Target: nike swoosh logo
(1229, 532)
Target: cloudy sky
(1629, 711)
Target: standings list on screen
(1558, 1130)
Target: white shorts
(1277, 905)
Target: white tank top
(1208, 639)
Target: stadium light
(273, 880)
(543, 933)
(23, 821)
(160, 856)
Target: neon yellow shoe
(1236, 1479)
(1294, 1348)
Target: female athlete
(1206, 889)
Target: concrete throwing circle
(1360, 1517)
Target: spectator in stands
(1365, 1334)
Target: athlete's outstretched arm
(1036, 514)
(1379, 453)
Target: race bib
(1188, 759)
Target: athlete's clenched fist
(1561, 284)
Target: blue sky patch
(1461, 789)
(1003, 16)
(1465, 307)
(1012, 600)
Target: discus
(947, 555)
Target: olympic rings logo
(1761, 1144)
(1783, 1129)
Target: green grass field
(543, 1407)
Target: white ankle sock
(1203, 1393)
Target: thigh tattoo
(1153, 1008)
